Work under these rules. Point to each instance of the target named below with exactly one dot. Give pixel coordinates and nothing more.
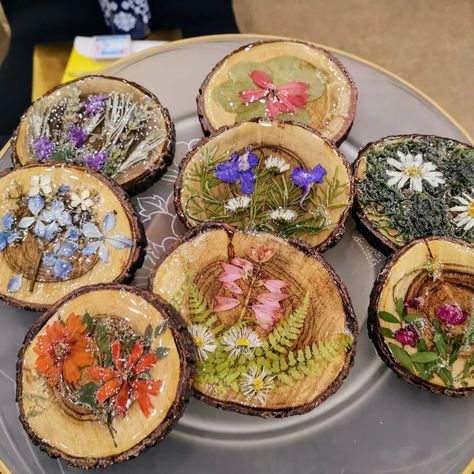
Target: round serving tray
(376, 422)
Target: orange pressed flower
(63, 350)
(123, 381)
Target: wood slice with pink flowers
(421, 315)
(272, 323)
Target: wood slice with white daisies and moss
(412, 186)
(104, 375)
(421, 315)
(272, 323)
(284, 79)
(63, 227)
(267, 175)
(111, 125)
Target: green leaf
(411, 318)
(400, 307)
(468, 335)
(250, 111)
(446, 376)
(389, 317)
(161, 328)
(386, 332)
(148, 333)
(88, 320)
(424, 357)
(402, 356)
(241, 72)
(440, 344)
(227, 95)
(162, 352)
(301, 115)
(87, 394)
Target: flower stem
(35, 274)
(249, 294)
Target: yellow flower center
(198, 342)
(258, 384)
(413, 171)
(242, 342)
(470, 210)
(61, 349)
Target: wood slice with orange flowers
(104, 375)
(273, 324)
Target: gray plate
(376, 422)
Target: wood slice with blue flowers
(421, 315)
(108, 124)
(267, 175)
(63, 227)
(411, 186)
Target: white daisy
(282, 215)
(275, 164)
(82, 200)
(237, 204)
(257, 384)
(414, 170)
(203, 340)
(40, 185)
(239, 341)
(465, 211)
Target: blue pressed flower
(239, 168)
(61, 267)
(64, 188)
(77, 135)
(35, 206)
(15, 283)
(8, 235)
(56, 217)
(72, 233)
(98, 239)
(305, 179)
(43, 148)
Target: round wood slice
(66, 420)
(200, 196)
(421, 316)
(390, 223)
(331, 113)
(273, 324)
(137, 176)
(27, 279)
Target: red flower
(407, 335)
(285, 98)
(63, 350)
(123, 382)
(451, 314)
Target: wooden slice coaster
(283, 79)
(111, 125)
(421, 315)
(63, 227)
(273, 324)
(278, 177)
(413, 186)
(103, 375)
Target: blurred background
(427, 42)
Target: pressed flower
(43, 148)
(15, 283)
(96, 160)
(260, 255)
(95, 103)
(266, 315)
(8, 235)
(275, 286)
(257, 384)
(63, 351)
(451, 314)
(237, 204)
(82, 200)
(123, 383)
(414, 302)
(282, 215)
(241, 341)
(203, 340)
(40, 229)
(77, 135)
(407, 335)
(40, 185)
(305, 179)
(225, 303)
(275, 164)
(282, 99)
(464, 211)
(433, 268)
(239, 168)
(239, 268)
(58, 260)
(413, 170)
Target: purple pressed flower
(95, 103)
(407, 335)
(239, 168)
(414, 302)
(43, 147)
(304, 179)
(451, 314)
(96, 160)
(77, 135)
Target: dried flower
(241, 341)
(43, 147)
(282, 215)
(305, 179)
(257, 384)
(451, 314)
(95, 103)
(407, 335)
(239, 168)
(275, 164)
(414, 302)
(237, 204)
(203, 340)
(96, 160)
(77, 135)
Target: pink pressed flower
(275, 286)
(272, 299)
(283, 99)
(225, 304)
(451, 314)
(231, 272)
(414, 302)
(232, 287)
(261, 255)
(246, 266)
(266, 315)
(407, 335)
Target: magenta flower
(77, 135)
(408, 335)
(414, 302)
(43, 147)
(239, 168)
(95, 103)
(96, 160)
(305, 179)
(451, 314)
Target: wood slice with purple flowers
(421, 315)
(111, 125)
(267, 175)
(63, 227)
(284, 79)
(103, 375)
(272, 323)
